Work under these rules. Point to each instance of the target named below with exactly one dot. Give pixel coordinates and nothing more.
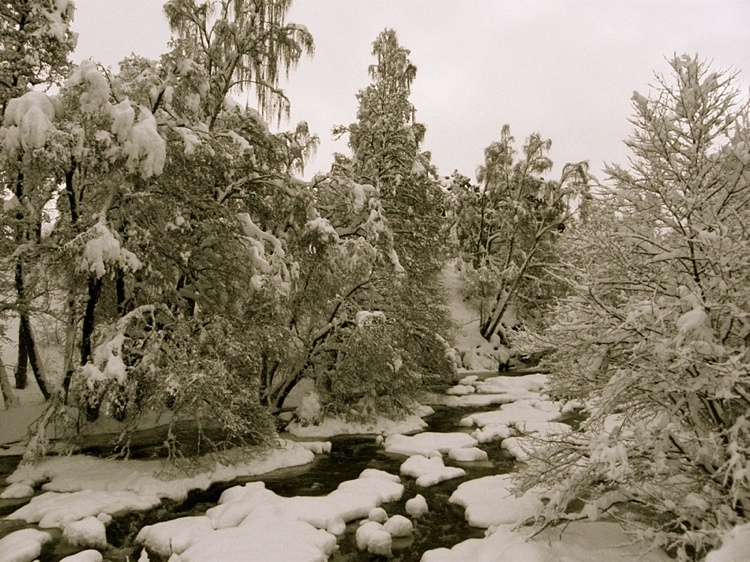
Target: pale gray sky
(564, 68)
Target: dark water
(443, 526)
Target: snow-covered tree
(508, 226)
(655, 333)
(240, 45)
(386, 153)
(36, 40)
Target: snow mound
(17, 491)
(264, 538)
(84, 556)
(373, 538)
(399, 526)
(23, 546)
(492, 431)
(88, 531)
(378, 514)
(468, 454)
(427, 443)
(461, 390)
(175, 536)
(735, 545)
(429, 471)
(417, 506)
(490, 501)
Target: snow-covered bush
(656, 329)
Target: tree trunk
(95, 290)
(26, 332)
(21, 374)
(6, 390)
(36, 362)
(70, 344)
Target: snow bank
(330, 427)
(501, 546)
(427, 443)
(429, 472)
(580, 542)
(80, 472)
(490, 501)
(23, 546)
(735, 546)
(80, 488)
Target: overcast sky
(564, 68)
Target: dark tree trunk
(122, 299)
(95, 290)
(21, 374)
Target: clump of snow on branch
(107, 364)
(95, 94)
(265, 265)
(104, 248)
(145, 149)
(28, 120)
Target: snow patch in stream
(245, 508)
(427, 443)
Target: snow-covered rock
(399, 526)
(23, 546)
(373, 538)
(85, 556)
(429, 471)
(17, 490)
(378, 514)
(88, 531)
(417, 506)
(262, 538)
(427, 443)
(467, 454)
(491, 432)
(174, 536)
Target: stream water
(443, 526)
